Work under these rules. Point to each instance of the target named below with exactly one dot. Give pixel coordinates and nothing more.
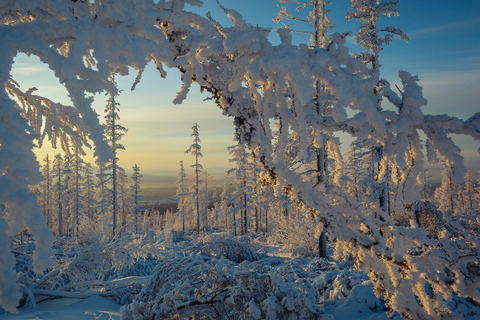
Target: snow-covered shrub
(470, 220)
(297, 230)
(83, 266)
(173, 227)
(92, 230)
(425, 215)
(177, 237)
(300, 252)
(199, 287)
(402, 219)
(224, 246)
(348, 294)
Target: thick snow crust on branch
(268, 90)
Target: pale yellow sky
(158, 131)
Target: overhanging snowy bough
(270, 90)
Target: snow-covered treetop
(368, 13)
(317, 18)
(195, 148)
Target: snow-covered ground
(212, 274)
(69, 309)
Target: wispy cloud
(457, 78)
(443, 27)
(28, 70)
(475, 60)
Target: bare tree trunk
(60, 213)
(322, 244)
(245, 221)
(266, 220)
(234, 224)
(77, 192)
(197, 195)
(183, 214)
(114, 176)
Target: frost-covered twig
(50, 119)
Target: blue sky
(444, 50)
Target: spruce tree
(89, 192)
(368, 13)
(47, 191)
(468, 192)
(103, 192)
(123, 202)
(204, 198)
(445, 194)
(477, 193)
(243, 183)
(181, 192)
(317, 17)
(58, 173)
(114, 133)
(76, 167)
(316, 163)
(137, 197)
(196, 150)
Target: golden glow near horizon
(158, 131)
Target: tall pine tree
(196, 150)
(368, 13)
(114, 133)
(58, 176)
(136, 193)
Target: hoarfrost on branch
(266, 88)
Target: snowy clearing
(70, 309)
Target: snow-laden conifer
(89, 192)
(123, 201)
(136, 194)
(47, 191)
(369, 36)
(445, 194)
(113, 133)
(317, 17)
(58, 180)
(477, 192)
(182, 193)
(468, 192)
(243, 180)
(102, 195)
(204, 198)
(77, 168)
(196, 150)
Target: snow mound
(226, 247)
(92, 308)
